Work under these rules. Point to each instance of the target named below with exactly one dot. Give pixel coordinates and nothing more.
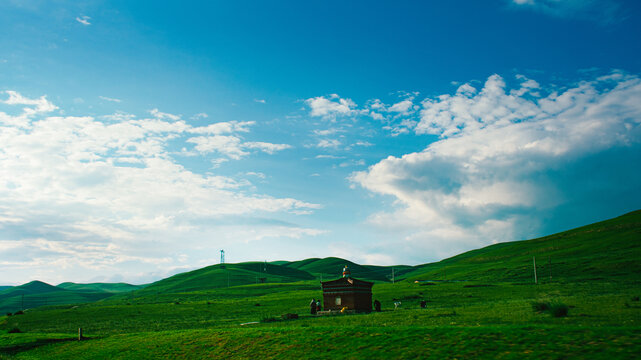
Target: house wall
(349, 299)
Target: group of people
(314, 306)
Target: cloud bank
(507, 157)
(101, 193)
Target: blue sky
(137, 139)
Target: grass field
(484, 310)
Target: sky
(140, 138)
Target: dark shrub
(9, 314)
(267, 319)
(289, 316)
(14, 330)
(635, 298)
(556, 309)
(19, 312)
(559, 309)
(256, 304)
(540, 306)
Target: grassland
(483, 310)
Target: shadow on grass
(14, 349)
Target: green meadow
(480, 304)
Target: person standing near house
(377, 306)
(312, 307)
(318, 305)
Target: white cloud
(330, 107)
(201, 115)
(228, 145)
(505, 153)
(41, 105)
(326, 132)
(84, 20)
(325, 156)
(360, 162)
(604, 11)
(225, 127)
(402, 107)
(267, 147)
(261, 101)
(104, 194)
(256, 174)
(162, 115)
(110, 99)
(328, 143)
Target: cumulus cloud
(222, 137)
(331, 106)
(398, 118)
(95, 193)
(507, 157)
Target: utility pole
(392, 275)
(534, 261)
(22, 302)
(550, 266)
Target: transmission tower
(222, 256)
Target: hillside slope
(332, 267)
(224, 275)
(609, 249)
(38, 293)
(100, 287)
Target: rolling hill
(226, 275)
(101, 287)
(37, 293)
(609, 249)
(331, 267)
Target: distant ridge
(331, 267)
(37, 293)
(224, 275)
(30, 288)
(609, 249)
(101, 287)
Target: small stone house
(347, 293)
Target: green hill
(30, 288)
(101, 287)
(225, 275)
(609, 249)
(37, 293)
(332, 267)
